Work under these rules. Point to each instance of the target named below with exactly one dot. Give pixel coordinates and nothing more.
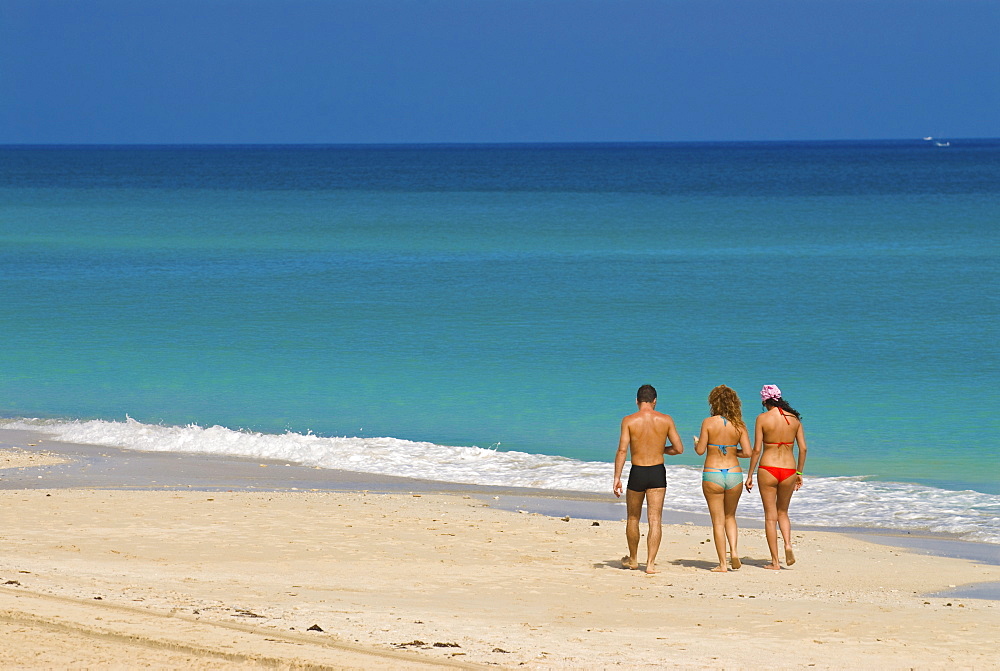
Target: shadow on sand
(614, 563)
(709, 565)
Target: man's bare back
(649, 435)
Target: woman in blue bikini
(723, 438)
(776, 432)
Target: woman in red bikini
(776, 432)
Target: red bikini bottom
(780, 474)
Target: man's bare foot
(629, 563)
(774, 567)
(736, 562)
(719, 569)
(651, 570)
(789, 556)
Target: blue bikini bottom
(723, 478)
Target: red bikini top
(792, 442)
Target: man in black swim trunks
(646, 433)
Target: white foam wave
(823, 501)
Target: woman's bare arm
(744, 451)
(800, 438)
(758, 444)
(701, 443)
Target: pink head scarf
(769, 392)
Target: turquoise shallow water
(514, 296)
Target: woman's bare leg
(732, 499)
(785, 490)
(768, 486)
(715, 497)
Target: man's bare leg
(654, 514)
(633, 507)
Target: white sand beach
(206, 580)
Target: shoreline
(72, 465)
(172, 573)
(75, 465)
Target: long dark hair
(783, 404)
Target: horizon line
(520, 143)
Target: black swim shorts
(641, 478)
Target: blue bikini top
(722, 448)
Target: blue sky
(336, 71)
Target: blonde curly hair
(724, 401)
